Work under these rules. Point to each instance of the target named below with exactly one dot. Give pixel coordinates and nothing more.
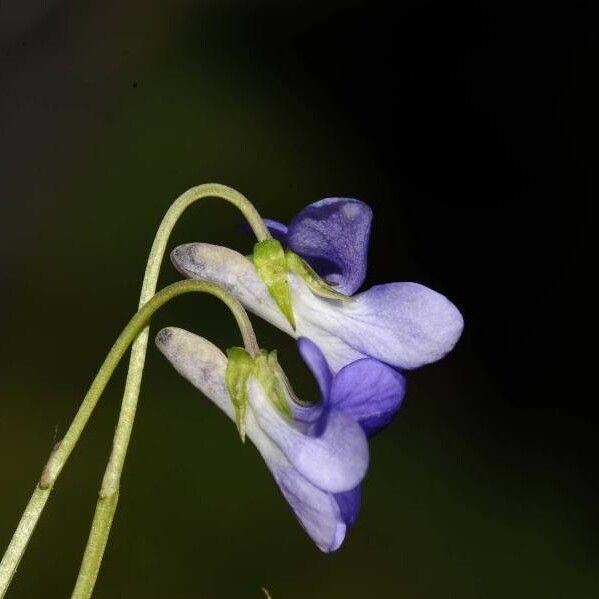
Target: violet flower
(318, 457)
(405, 325)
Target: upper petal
(332, 235)
(370, 391)
(277, 230)
(334, 461)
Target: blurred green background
(109, 111)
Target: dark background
(466, 126)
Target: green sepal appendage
(269, 260)
(265, 367)
(312, 279)
(273, 380)
(239, 368)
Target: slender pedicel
(110, 485)
(62, 451)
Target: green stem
(107, 501)
(63, 450)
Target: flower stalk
(136, 332)
(107, 501)
(63, 449)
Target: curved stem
(138, 351)
(63, 449)
(61, 452)
(106, 505)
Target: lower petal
(320, 513)
(317, 511)
(405, 325)
(334, 461)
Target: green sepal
(239, 368)
(265, 367)
(273, 380)
(312, 279)
(271, 264)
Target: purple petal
(277, 230)
(317, 364)
(312, 414)
(332, 235)
(335, 461)
(349, 505)
(370, 391)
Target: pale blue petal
(406, 325)
(317, 511)
(335, 461)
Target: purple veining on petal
(370, 391)
(333, 235)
